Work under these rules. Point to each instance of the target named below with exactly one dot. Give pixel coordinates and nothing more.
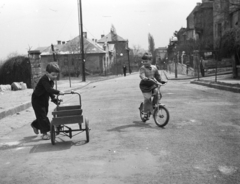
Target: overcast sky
(35, 23)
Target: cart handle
(70, 93)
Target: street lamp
(119, 62)
(174, 41)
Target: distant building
(121, 48)
(161, 56)
(161, 53)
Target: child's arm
(157, 75)
(48, 86)
(142, 74)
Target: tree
(231, 43)
(114, 33)
(136, 53)
(151, 47)
(16, 69)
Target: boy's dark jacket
(44, 89)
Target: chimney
(102, 35)
(59, 42)
(198, 4)
(63, 42)
(96, 40)
(85, 34)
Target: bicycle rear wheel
(161, 116)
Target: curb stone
(220, 86)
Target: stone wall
(181, 69)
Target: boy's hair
(52, 67)
(146, 56)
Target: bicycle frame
(159, 112)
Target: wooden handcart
(65, 115)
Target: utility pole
(176, 66)
(81, 39)
(128, 50)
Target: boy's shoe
(45, 137)
(35, 130)
(145, 116)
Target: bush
(16, 69)
(230, 43)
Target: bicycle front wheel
(161, 116)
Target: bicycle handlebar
(156, 82)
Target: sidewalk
(13, 102)
(224, 81)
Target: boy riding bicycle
(149, 73)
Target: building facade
(68, 56)
(122, 51)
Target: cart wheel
(53, 135)
(87, 129)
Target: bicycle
(160, 113)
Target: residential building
(121, 48)
(69, 58)
(203, 25)
(190, 31)
(226, 16)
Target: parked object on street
(6, 87)
(18, 86)
(66, 115)
(160, 113)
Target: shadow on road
(137, 124)
(36, 144)
(60, 145)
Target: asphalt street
(199, 145)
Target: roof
(73, 46)
(194, 9)
(40, 49)
(207, 5)
(111, 37)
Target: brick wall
(36, 72)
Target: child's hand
(61, 93)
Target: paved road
(199, 145)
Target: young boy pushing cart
(40, 99)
